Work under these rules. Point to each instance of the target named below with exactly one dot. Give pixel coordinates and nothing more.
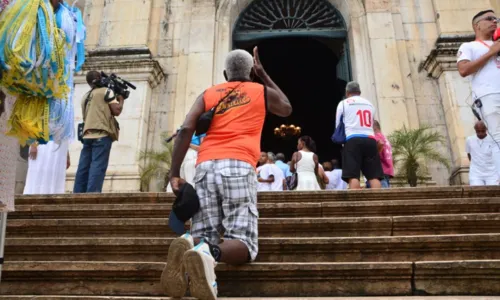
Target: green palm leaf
(156, 165)
(412, 148)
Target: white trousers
(490, 113)
(475, 181)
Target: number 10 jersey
(358, 117)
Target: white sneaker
(173, 278)
(200, 266)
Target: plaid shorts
(228, 203)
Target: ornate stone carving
(444, 55)
(273, 15)
(131, 63)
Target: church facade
(402, 52)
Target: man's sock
(215, 251)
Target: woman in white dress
(47, 169)
(305, 163)
(188, 167)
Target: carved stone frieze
(133, 64)
(444, 55)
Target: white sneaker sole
(173, 278)
(199, 285)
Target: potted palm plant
(412, 148)
(157, 166)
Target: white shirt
(262, 186)
(487, 80)
(277, 173)
(481, 152)
(335, 180)
(358, 117)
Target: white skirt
(188, 168)
(47, 174)
(307, 182)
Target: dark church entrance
(306, 70)
(303, 46)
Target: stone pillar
(137, 66)
(193, 52)
(456, 100)
(387, 67)
(453, 20)
(120, 35)
(455, 17)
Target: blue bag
(339, 136)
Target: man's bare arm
(184, 136)
(117, 108)
(277, 103)
(467, 67)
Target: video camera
(116, 84)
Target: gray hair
(353, 87)
(280, 156)
(271, 157)
(239, 64)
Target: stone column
(137, 66)
(456, 99)
(193, 52)
(453, 19)
(118, 40)
(387, 67)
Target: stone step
(260, 279)
(352, 249)
(270, 227)
(268, 210)
(274, 197)
(30, 297)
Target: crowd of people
(367, 152)
(230, 168)
(224, 225)
(216, 174)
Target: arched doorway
(303, 46)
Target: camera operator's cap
(185, 206)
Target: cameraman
(480, 60)
(99, 132)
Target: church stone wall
(394, 54)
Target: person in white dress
(271, 175)
(188, 167)
(480, 149)
(47, 167)
(305, 163)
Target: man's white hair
(239, 64)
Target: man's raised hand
(258, 68)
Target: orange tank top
(236, 128)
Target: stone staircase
(397, 242)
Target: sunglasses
(489, 18)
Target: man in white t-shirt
(272, 175)
(481, 61)
(262, 184)
(360, 152)
(479, 149)
(334, 175)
